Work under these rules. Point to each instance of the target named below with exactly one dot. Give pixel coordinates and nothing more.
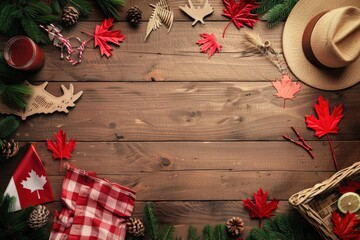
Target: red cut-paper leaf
(260, 209)
(351, 186)
(209, 44)
(344, 228)
(240, 13)
(286, 89)
(102, 35)
(60, 149)
(325, 123)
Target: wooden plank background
(194, 135)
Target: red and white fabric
(93, 208)
(29, 183)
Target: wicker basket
(317, 204)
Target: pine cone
(135, 227)
(9, 149)
(38, 217)
(235, 226)
(70, 16)
(134, 15)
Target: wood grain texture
(113, 158)
(191, 134)
(204, 185)
(188, 111)
(164, 57)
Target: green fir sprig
(275, 11)
(284, 227)
(153, 230)
(111, 7)
(192, 233)
(19, 17)
(8, 126)
(15, 95)
(13, 92)
(14, 225)
(83, 6)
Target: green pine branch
(8, 126)
(23, 17)
(15, 95)
(220, 232)
(275, 11)
(280, 12)
(83, 6)
(167, 232)
(284, 227)
(152, 228)
(192, 233)
(111, 7)
(208, 233)
(266, 5)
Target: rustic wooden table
(191, 134)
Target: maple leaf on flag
(344, 228)
(34, 182)
(60, 148)
(286, 89)
(240, 13)
(325, 123)
(103, 35)
(260, 209)
(350, 186)
(209, 44)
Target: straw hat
(321, 43)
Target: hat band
(306, 42)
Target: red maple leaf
(286, 89)
(344, 228)
(260, 209)
(209, 43)
(60, 148)
(240, 13)
(102, 36)
(350, 186)
(325, 123)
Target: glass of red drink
(23, 53)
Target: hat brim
(325, 79)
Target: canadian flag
(29, 183)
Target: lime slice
(349, 202)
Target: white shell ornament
(42, 101)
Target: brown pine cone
(70, 16)
(38, 217)
(134, 15)
(135, 227)
(9, 148)
(235, 226)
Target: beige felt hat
(321, 43)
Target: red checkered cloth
(94, 208)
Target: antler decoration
(198, 13)
(161, 13)
(42, 101)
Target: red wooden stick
(333, 153)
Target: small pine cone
(9, 149)
(135, 227)
(134, 15)
(38, 217)
(235, 226)
(70, 16)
